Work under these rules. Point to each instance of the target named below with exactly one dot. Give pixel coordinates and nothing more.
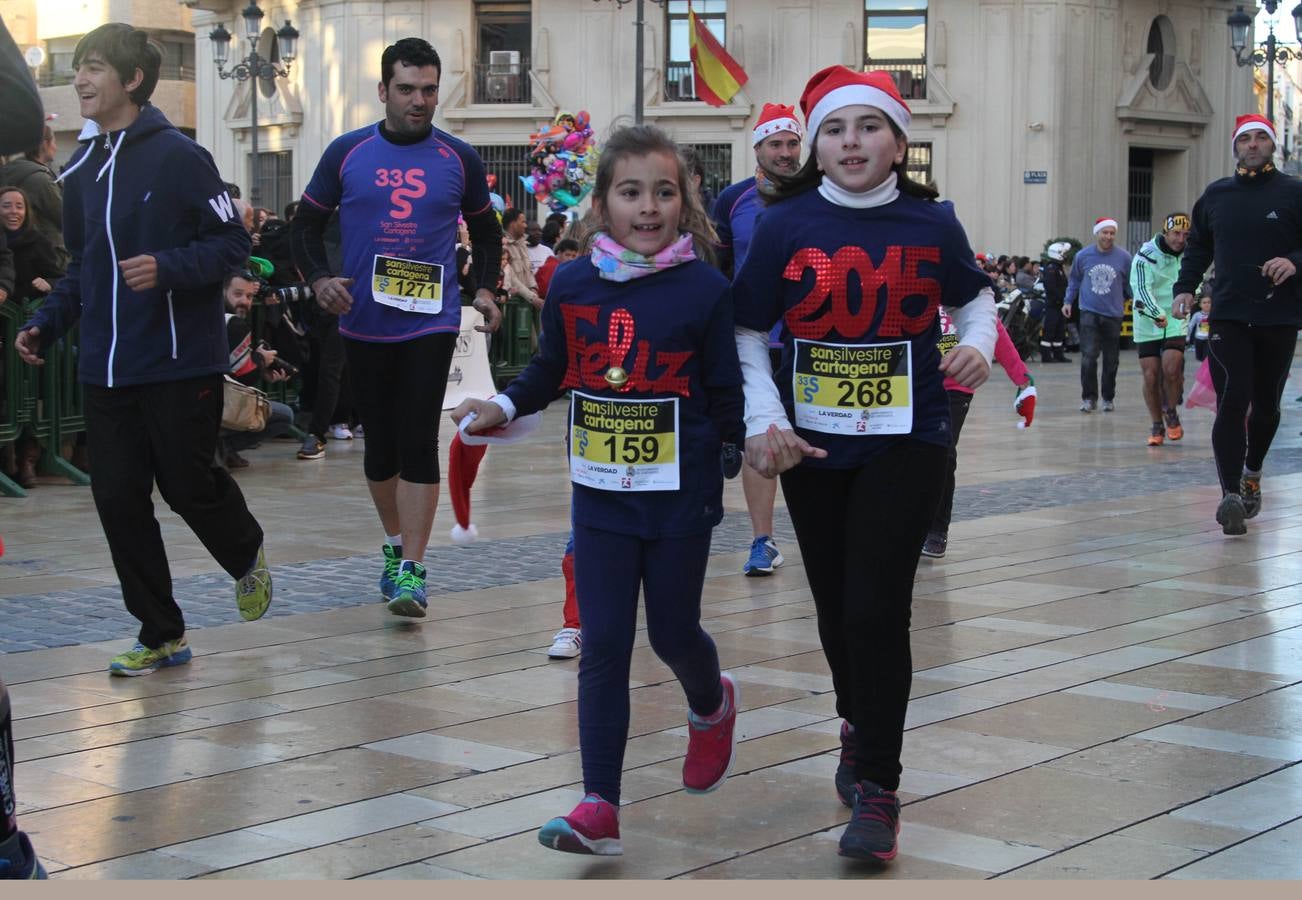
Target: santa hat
(1024, 404)
(836, 86)
(465, 455)
(1253, 122)
(1104, 222)
(774, 119)
(463, 466)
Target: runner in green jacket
(1159, 337)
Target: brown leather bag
(244, 408)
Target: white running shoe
(339, 433)
(566, 644)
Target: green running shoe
(410, 597)
(253, 591)
(389, 577)
(142, 660)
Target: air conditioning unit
(501, 87)
(504, 62)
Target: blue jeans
(1099, 333)
(278, 423)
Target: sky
(1283, 17)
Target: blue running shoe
(764, 557)
(592, 827)
(873, 832)
(18, 860)
(389, 577)
(409, 600)
(142, 660)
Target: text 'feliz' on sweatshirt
(672, 333)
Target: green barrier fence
(515, 342)
(44, 402)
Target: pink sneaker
(711, 749)
(592, 827)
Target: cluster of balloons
(564, 161)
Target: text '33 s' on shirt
(398, 207)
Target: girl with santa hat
(856, 260)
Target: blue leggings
(609, 569)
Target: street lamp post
(639, 24)
(254, 67)
(1264, 54)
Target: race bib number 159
(624, 445)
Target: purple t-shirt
(398, 207)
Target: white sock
(393, 540)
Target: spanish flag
(718, 77)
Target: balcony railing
(910, 75)
(680, 81)
(503, 84)
(168, 72)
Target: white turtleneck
(975, 322)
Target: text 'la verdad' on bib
(853, 389)
(624, 445)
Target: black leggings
(8, 798)
(860, 533)
(1249, 365)
(398, 391)
(959, 402)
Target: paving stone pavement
(67, 618)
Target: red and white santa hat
(836, 86)
(1104, 222)
(774, 119)
(1253, 122)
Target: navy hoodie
(146, 190)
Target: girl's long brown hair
(643, 140)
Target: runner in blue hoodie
(152, 231)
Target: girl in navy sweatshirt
(856, 260)
(641, 333)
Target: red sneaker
(711, 749)
(592, 827)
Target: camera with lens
(290, 293)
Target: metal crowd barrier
(45, 402)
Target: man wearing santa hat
(1100, 281)
(1250, 226)
(776, 138)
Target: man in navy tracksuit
(152, 232)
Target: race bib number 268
(853, 389)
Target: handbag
(1204, 391)
(244, 408)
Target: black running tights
(860, 532)
(1249, 365)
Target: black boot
(1059, 355)
(1046, 354)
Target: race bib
(853, 388)
(407, 285)
(624, 445)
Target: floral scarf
(615, 262)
